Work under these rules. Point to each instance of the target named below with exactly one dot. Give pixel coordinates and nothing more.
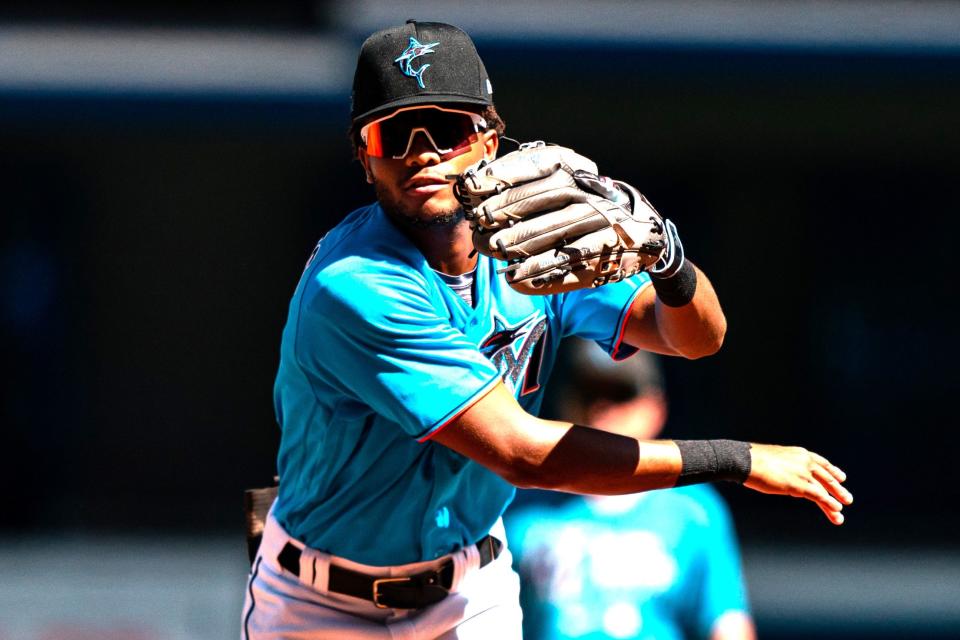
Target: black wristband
(678, 289)
(713, 460)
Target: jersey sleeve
(379, 340)
(600, 314)
(723, 588)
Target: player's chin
(441, 218)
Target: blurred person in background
(661, 564)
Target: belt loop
(315, 569)
(308, 568)
(473, 557)
(465, 561)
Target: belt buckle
(376, 589)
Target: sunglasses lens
(390, 137)
(374, 141)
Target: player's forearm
(529, 452)
(580, 459)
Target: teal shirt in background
(665, 568)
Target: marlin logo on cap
(413, 51)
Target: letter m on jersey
(517, 351)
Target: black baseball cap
(418, 63)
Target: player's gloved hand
(544, 210)
(794, 471)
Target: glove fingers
(546, 194)
(519, 167)
(572, 226)
(608, 240)
(544, 231)
(590, 261)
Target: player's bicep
(641, 329)
(496, 432)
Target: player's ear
(365, 161)
(491, 142)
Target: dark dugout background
(151, 240)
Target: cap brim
(423, 98)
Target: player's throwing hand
(794, 471)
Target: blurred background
(166, 168)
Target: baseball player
(411, 362)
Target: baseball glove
(544, 210)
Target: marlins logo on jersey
(516, 350)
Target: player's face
(414, 186)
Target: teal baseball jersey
(663, 565)
(378, 354)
